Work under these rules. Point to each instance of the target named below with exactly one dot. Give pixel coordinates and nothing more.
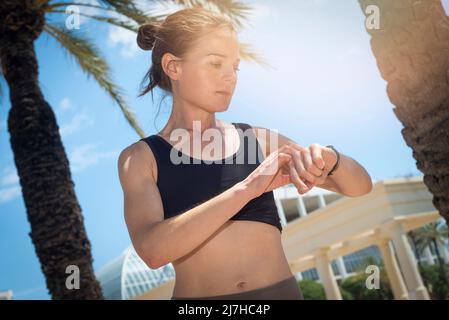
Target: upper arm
(142, 201)
(265, 136)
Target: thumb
(283, 158)
(280, 179)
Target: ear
(171, 66)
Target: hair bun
(146, 36)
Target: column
(281, 211)
(443, 252)
(413, 281)
(301, 207)
(341, 267)
(321, 201)
(326, 275)
(428, 255)
(392, 269)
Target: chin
(221, 108)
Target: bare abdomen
(242, 255)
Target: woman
(217, 223)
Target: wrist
(336, 157)
(243, 190)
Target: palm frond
(124, 8)
(128, 9)
(114, 21)
(432, 231)
(130, 17)
(88, 58)
(52, 6)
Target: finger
(296, 180)
(300, 168)
(276, 162)
(317, 156)
(310, 166)
(309, 184)
(279, 180)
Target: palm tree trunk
(57, 229)
(411, 49)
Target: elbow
(368, 186)
(152, 260)
(364, 190)
(150, 255)
(153, 263)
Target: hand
(272, 173)
(310, 166)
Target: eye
(218, 65)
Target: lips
(224, 92)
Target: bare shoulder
(136, 160)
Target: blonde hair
(175, 35)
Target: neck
(190, 118)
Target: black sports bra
(185, 185)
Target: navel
(241, 285)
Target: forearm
(175, 237)
(351, 178)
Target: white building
(325, 236)
(6, 295)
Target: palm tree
(57, 227)
(434, 234)
(411, 49)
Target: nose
(230, 75)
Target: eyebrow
(219, 54)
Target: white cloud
(78, 121)
(28, 291)
(9, 193)
(158, 7)
(262, 12)
(125, 39)
(86, 155)
(65, 104)
(9, 182)
(9, 176)
(92, 11)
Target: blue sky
(323, 87)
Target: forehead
(220, 42)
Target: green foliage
(312, 290)
(436, 284)
(356, 287)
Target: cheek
(196, 85)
